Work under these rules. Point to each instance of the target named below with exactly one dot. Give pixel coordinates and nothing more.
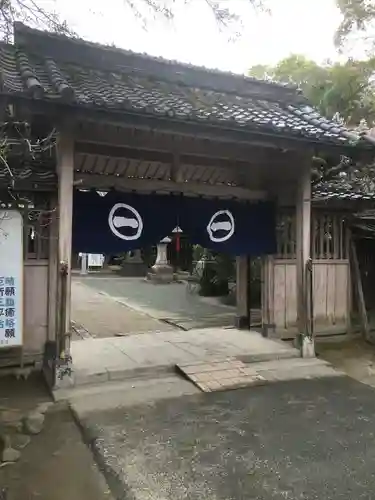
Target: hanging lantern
(177, 230)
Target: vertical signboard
(11, 278)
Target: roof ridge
(133, 73)
(21, 29)
(91, 76)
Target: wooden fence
(331, 276)
(39, 216)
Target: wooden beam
(242, 293)
(27, 185)
(123, 152)
(357, 281)
(211, 130)
(155, 140)
(268, 275)
(65, 171)
(107, 182)
(172, 158)
(303, 244)
(58, 112)
(175, 169)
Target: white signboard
(11, 278)
(95, 260)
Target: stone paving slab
(100, 360)
(168, 303)
(231, 373)
(102, 316)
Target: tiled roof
(56, 68)
(342, 191)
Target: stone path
(101, 316)
(168, 303)
(232, 373)
(103, 359)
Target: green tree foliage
(358, 16)
(346, 89)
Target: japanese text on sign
(7, 308)
(11, 285)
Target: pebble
(33, 423)
(11, 419)
(43, 407)
(4, 441)
(20, 441)
(10, 455)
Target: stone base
(58, 373)
(242, 322)
(306, 346)
(161, 274)
(133, 269)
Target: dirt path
(56, 465)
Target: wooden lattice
(329, 236)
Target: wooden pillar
(53, 272)
(65, 171)
(303, 246)
(242, 293)
(268, 326)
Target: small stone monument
(83, 263)
(161, 271)
(133, 265)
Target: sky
(292, 26)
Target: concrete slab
(100, 360)
(85, 400)
(310, 439)
(207, 377)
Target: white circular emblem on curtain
(130, 222)
(222, 229)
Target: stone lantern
(161, 271)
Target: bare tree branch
(31, 12)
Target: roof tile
(132, 82)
